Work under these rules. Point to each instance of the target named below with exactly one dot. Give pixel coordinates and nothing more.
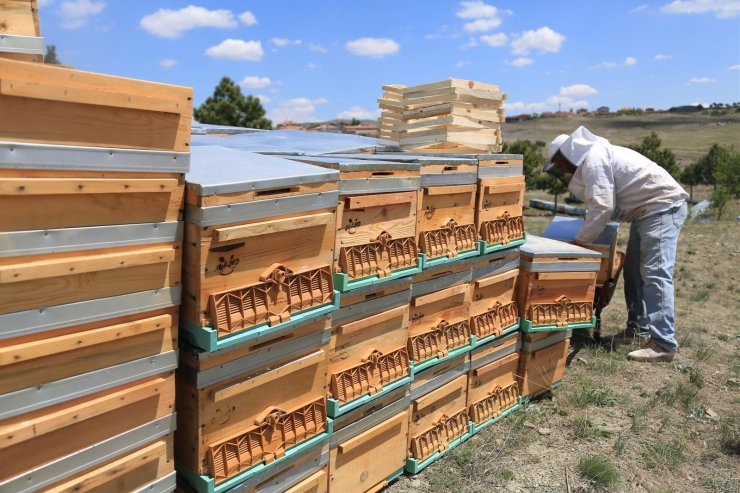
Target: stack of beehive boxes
(91, 188)
(453, 116)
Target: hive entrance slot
(276, 191)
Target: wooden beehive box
(369, 444)
(245, 407)
(542, 361)
(367, 356)
(56, 105)
(499, 212)
(492, 383)
(53, 443)
(376, 219)
(556, 285)
(500, 165)
(259, 245)
(439, 414)
(439, 326)
(20, 33)
(493, 309)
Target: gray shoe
(626, 336)
(651, 353)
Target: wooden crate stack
(454, 115)
(91, 187)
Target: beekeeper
(619, 184)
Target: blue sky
(322, 59)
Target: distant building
(361, 129)
(327, 127)
(602, 109)
(518, 118)
(649, 109)
(582, 111)
(289, 125)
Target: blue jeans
(648, 275)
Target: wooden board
(57, 105)
(443, 312)
(19, 18)
(540, 288)
(364, 462)
(445, 220)
(500, 196)
(538, 370)
(492, 306)
(487, 381)
(193, 198)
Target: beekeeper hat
(553, 148)
(575, 147)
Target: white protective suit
(616, 183)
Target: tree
(691, 175)
(228, 106)
(51, 55)
(651, 149)
(727, 180)
(534, 158)
(355, 121)
(552, 185)
(707, 165)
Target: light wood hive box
(259, 241)
(439, 413)
(542, 361)
(367, 352)
(369, 444)
(19, 24)
(492, 382)
(556, 282)
(500, 208)
(376, 216)
(248, 404)
(493, 307)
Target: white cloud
(522, 106)
(495, 40)
(485, 17)
(319, 48)
(565, 101)
(605, 65)
(639, 9)
(238, 50)
(462, 63)
(629, 61)
(734, 67)
(283, 42)
(167, 23)
(723, 9)
(358, 112)
(543, 40)
(373, 47)
(661, 57)
(472, 43)
(482, 25)
(248, 18)
(168, 63)
(701, 80)
(443, 33)
(75, 13)
(263, 99)
(578, 90)
(298, 109)
(521, 62)
(255, 81)
(313, 66)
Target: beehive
(493, 308)
(259, 245)
(367, 356)
(246, 406)
(368, 445)
(556, 285)
(542, 361)
(376, 219)
(493, 390)
(439, 414)
(20, 33)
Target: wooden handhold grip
(484, 370)
(379, 200)
(364, 323)
(488, 281)
(370, 434)
(270, 227)
(441, 295)
(69, 186)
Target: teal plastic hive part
(343, 284)
(394, 476)
(206, 338)
(415, 466)
(335, 408)
(437, 360)
(486, 248)
(478, 427)
(526, 326)
(508, 330)
(206, 484)
(426, 263)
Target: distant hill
(689, 136)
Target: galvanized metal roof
(565, 229)
(536, 246)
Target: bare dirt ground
(665, 427)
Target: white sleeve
(598, 179)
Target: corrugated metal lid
(536, 246)
(565, 229)
(219, 170)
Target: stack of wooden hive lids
(556, 285)
(453, 115)
(20, 33)
(90, 247)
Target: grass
(660, 454)
(599, 470)
(584, 429)
(585, 394)
(703, 352)
(730, 435)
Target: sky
(311, 60)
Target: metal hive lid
(421, 159)
(536, 246)
(565, 229)
(219, 170)
(349, 164)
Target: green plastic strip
(206, 484)
(476, 428)
(508, 330)
(437, 360)
(486, 248)
(343, 284)
(394, 476)
(426, 263)
(207, 338)
(415, 466)
(527, 326)
(335, 408)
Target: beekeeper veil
(575, 147)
